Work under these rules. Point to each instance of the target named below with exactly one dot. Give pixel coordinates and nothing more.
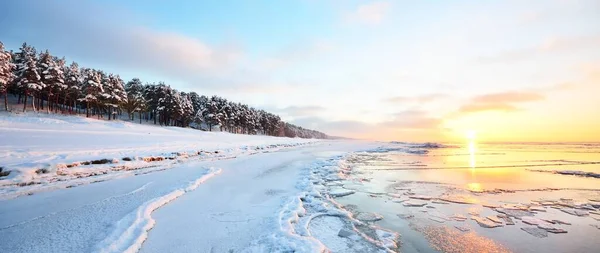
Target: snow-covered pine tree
(114, 95)
(92, 90)
(6, 73)
(187, 109)
(74, 83)
(51, 70)
(27, 77)
(151, 98)
(135, 98)
(211, 116)
(163, 95)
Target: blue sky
(372, 69)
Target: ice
(531, 220)
(537, 232)
(486, 223)
(506, 219)
(458, 199)
(345, 233)
(574, 212)
(462, 229)
(414, 203)
(437, 219)
(341, 192)
(551, 228)
(514, 212)
(494, 219)
(400, 199)
(537, 208)
(421, 197)
(459, 217)
(369, 217)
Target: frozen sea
(470, 197)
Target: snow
(132, 230)
(51, 143)
(268, 193)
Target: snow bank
(132, 230)
(41, 152)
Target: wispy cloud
(508, 97)
(370, 13)
(334, 127)
(558, 44)
(422, 99)
(503, 101)
(475, 107)
(412, 119)
(298, 111)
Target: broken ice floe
(340, 192)
(494, 219)
(462, 229)
(414, 203)
(486, 223)
(537, 232)
(368, 217)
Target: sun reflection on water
(472, 154)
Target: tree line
(53, 85)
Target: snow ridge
(132, 230)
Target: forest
(44, 82)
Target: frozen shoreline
(313, 221)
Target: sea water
(466, 197)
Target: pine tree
(51, 70)
(6, 73)
(74, 83)
(135, 98)
(28, 79)
(92, 89)
(114, 95)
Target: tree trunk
(5, 101)
(25, 103)
(87, 109)
(49, 103)
(33, 104)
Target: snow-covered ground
(47, 151)
(209, 192)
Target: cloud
(347, 128)
(474, 107)
(502, 101)
(422, 99)
(105, 36)
(508, 97)
(371, 13)
(559, 44)
(302, 110)
(412, 125)
(412, 119)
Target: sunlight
(471, 134)
(474, 187)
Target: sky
(504, 71)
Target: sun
(471, 134)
